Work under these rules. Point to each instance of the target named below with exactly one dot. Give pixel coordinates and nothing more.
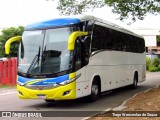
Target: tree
(133, 9)
(7, 34)
(74, 7)
(158, 40)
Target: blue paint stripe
(53, 23)
(48, 81)
(23, 79)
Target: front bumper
(59, 93)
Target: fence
(8, 71)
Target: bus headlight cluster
(21, 84)
(67, 81)
(70, 80)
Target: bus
(73, 57)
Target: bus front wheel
(94, 91)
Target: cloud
(23, 12)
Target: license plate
(41, 96)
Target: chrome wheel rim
(94, 89)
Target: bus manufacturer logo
(40, 87)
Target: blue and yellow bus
(73, 57)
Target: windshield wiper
(35, 60)
(39, 54)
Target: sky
(23, 12)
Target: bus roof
(64, 21)
(58, 22)
(53, 23)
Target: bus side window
(86, 50)
(78, 55)
(96, 39)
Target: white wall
(150, 41)
(148, 34)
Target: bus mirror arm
(10, 41)
(73, 37)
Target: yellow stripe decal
(72, 75)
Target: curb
(122, 106)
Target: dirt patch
(144, 101)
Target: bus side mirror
(73, 37)
(10, 41)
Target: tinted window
(125, 42)
(78, 56)
(96, 39)
(101, 38)
(109, 39)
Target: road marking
(7, 93)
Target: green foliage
(7, 34)
(6, 86)
(154, 69)
(156, 62)
(148, 63)
(158, 38)
(134, 9)
(74, 7)
(153, 65)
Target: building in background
(152, 50)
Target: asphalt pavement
(73, 109)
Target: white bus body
(101, 56)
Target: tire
(135, 81)
(94, 91)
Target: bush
(148, 63)
(154, 69)
(153, 65)
(156, 62)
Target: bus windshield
(45, 51)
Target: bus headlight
(21, 84)
(70, 80)
(67, 81)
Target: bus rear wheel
(135, 81)
(94, 91)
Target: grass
(7, 86)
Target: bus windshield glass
(45, 51)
